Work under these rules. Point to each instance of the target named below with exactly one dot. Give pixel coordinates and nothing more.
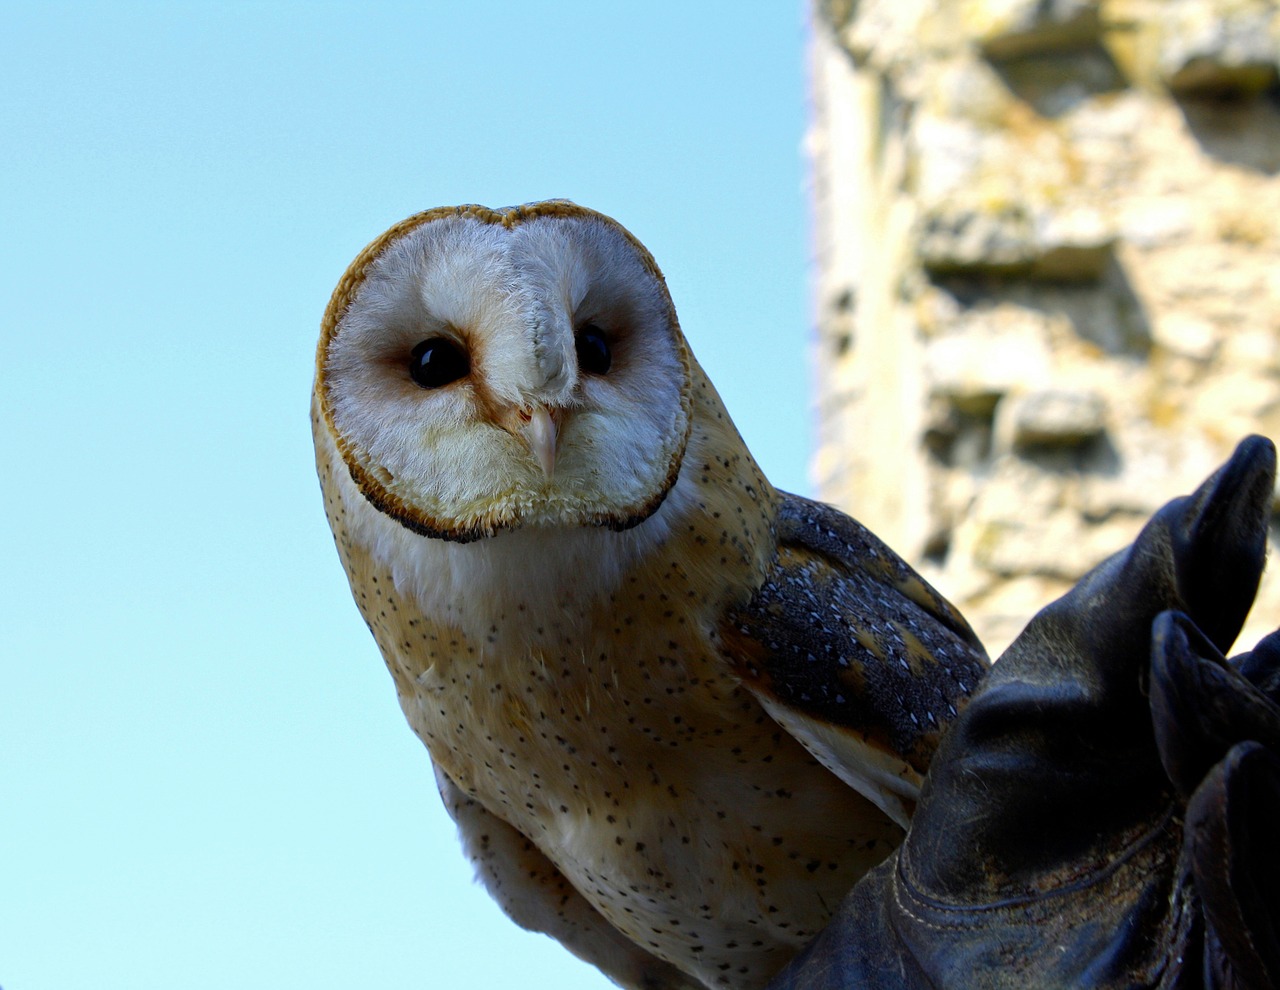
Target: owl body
(609, 649)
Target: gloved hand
(1217, 725)
(1103, 813)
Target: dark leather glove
(1217, 725)
(1104, 811)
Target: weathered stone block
(990, 353)
(1220, 47)
(1011, 28)
(1058, 418)
(1007, 240)
(1186, 334)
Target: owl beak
(540, 434)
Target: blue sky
(205, 779)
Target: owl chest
(555, 726)
(645, 772)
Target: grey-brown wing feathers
(854, 653)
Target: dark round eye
(593, 350)
(438, 361)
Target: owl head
(485, 370)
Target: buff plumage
(675, 712)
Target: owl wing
(853, 653)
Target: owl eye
(438, 361)
(593, 350)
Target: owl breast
(580, 695)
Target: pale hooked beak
(540, 433)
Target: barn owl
(675, 712)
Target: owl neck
(547, 574)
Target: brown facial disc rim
(340, 302)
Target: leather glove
(1103, 812)
(1217, 725)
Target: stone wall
(1048, 277)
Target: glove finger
(1230, 836)
(1220, 540)
(1261, 666)
(1200, 705)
